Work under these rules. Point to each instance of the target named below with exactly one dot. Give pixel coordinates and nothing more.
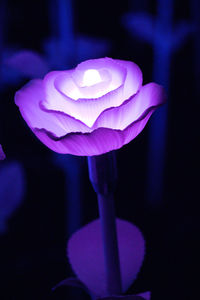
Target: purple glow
(85, 252)
(2, 154)
(71, 114)
(27, 62)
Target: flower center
(91, 77)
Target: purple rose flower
(97, 107)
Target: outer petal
(150, 95)
(99, 141)
(133, 79)
(88, 110)
(28, 99)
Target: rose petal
(150, 95)
(28, 100)
(97, 142)
(88, 110)
(65, 85)
(85, 110)
(117, 72)
(133, 80)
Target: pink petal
(150, 96)
(118, 72)
(97, 142)
(65, 84)
(133, 79)
(85, 252)
(29, 101)
(85, 110)
(88, 110)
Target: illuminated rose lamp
(92, 110)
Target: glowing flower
(97, 107)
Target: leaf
(85, 252)
(181, 33)
(12, 186)
(28, 62)
(140, 24)
(143, 26)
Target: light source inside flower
(91, 77)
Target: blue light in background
(165, 39)
(157, 146)
(195, 11)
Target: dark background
(32, 251)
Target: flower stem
(102, 173)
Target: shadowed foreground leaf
(86, 256)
